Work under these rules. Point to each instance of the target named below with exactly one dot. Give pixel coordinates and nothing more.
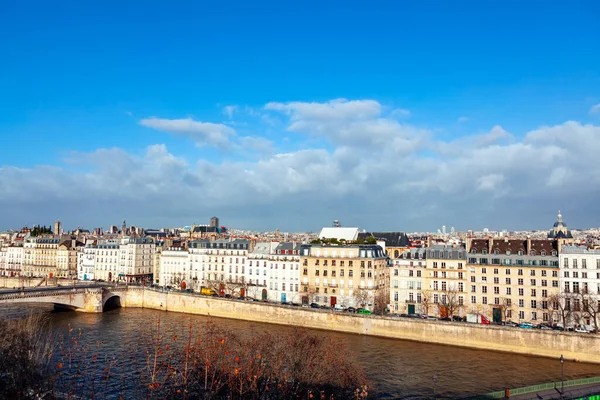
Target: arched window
(543, 253)
(496, 251)
(532, 253)
(474, 251)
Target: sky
(384, 115)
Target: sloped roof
(391, 239)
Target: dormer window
(508, 252)
(474, 251)
(532, 253)
(483, 251)
(520, 252)
(496, 251)
(543, 253)
(554, 253)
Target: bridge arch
(111, 301)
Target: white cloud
(462, 119)
(400, 113)
(229, 111)
(202, 133)
(373, 172)
(595, 109)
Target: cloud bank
(370, 171)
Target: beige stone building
(446, 280)
(67, 257)
(40, 257)
(512, 279)
(408, 282)
(344, 275)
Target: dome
(560, 230)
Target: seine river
(395, 368)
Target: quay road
(86, 285)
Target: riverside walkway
(579, 389)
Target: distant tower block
(57, 228)
(214, 222)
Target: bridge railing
(46, 293)
(544, 386)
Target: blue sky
(81, 76)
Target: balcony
(304, 283)
(333, 285)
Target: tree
(426, 301)
(560, 306)
(361, 297)
(381, 301)
(449, 303)
(507, 307)
(590, 307)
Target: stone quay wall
(573, 346)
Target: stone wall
(580, 347)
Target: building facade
(510, 279)
(39, 257)
(408, 281)
(446, 281)
(344, 275)
(284, 273)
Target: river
(395, 368)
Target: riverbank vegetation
(202, 361)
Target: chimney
(528, 249)
(491, 245)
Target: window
(484, 300)
(584, 263)
(544, 282)
(521, 303)
(520, 281)
(484, 289)
(574, 263)
(473, 289)
(555, 284)
(473, 299)
(508, 291)
(544, 293)
(496, 280)
(521, 292)
(484, 270)
(534, 315)
(507, 271)
(533, 293)
(473, 279)
(532, 272)
(496, 290)
(508, 281)
(520, 272)
(521, 314)
(496, 271)
(350, 272)
(342, 272)
(566, 263)
(566, 274)
(532, 282)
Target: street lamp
(562, 374)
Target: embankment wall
(580, 347)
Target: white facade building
(3, 262)
(107, 260)
(407, 282)
(284, 273)
(580, 280)
(175, 268)
(257, 275)
(86, 262)
(136, 260)
(14, 260)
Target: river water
(396, 369)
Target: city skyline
(385, 117)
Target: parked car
(363, 311)
(543, 327)
(526, 325)
(350, 309)
(294, 304)
(447, 319)
(404, 315)
(413, 316)
(456, 318)
(314, 305)
(228, 296)
(511, 323)
(580, 329)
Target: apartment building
(39, 257)
(136, 259)
(219, 262)
(67, 257)
(580, 283)
(284, 273)
(107, 257)
(3, 261)
(175, 268)
(86, 262)
(344, 275)
(14, 260)
(257, 273)
(445, 280)
(408, 281)
(510, 279)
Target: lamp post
(562, 374)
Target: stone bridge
(82, 299)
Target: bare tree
(449, 303)
(426, 301)
(560, 305)
(381, 301)
(361, 297)
(507, 307)
(590, 308)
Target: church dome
(560, 230)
